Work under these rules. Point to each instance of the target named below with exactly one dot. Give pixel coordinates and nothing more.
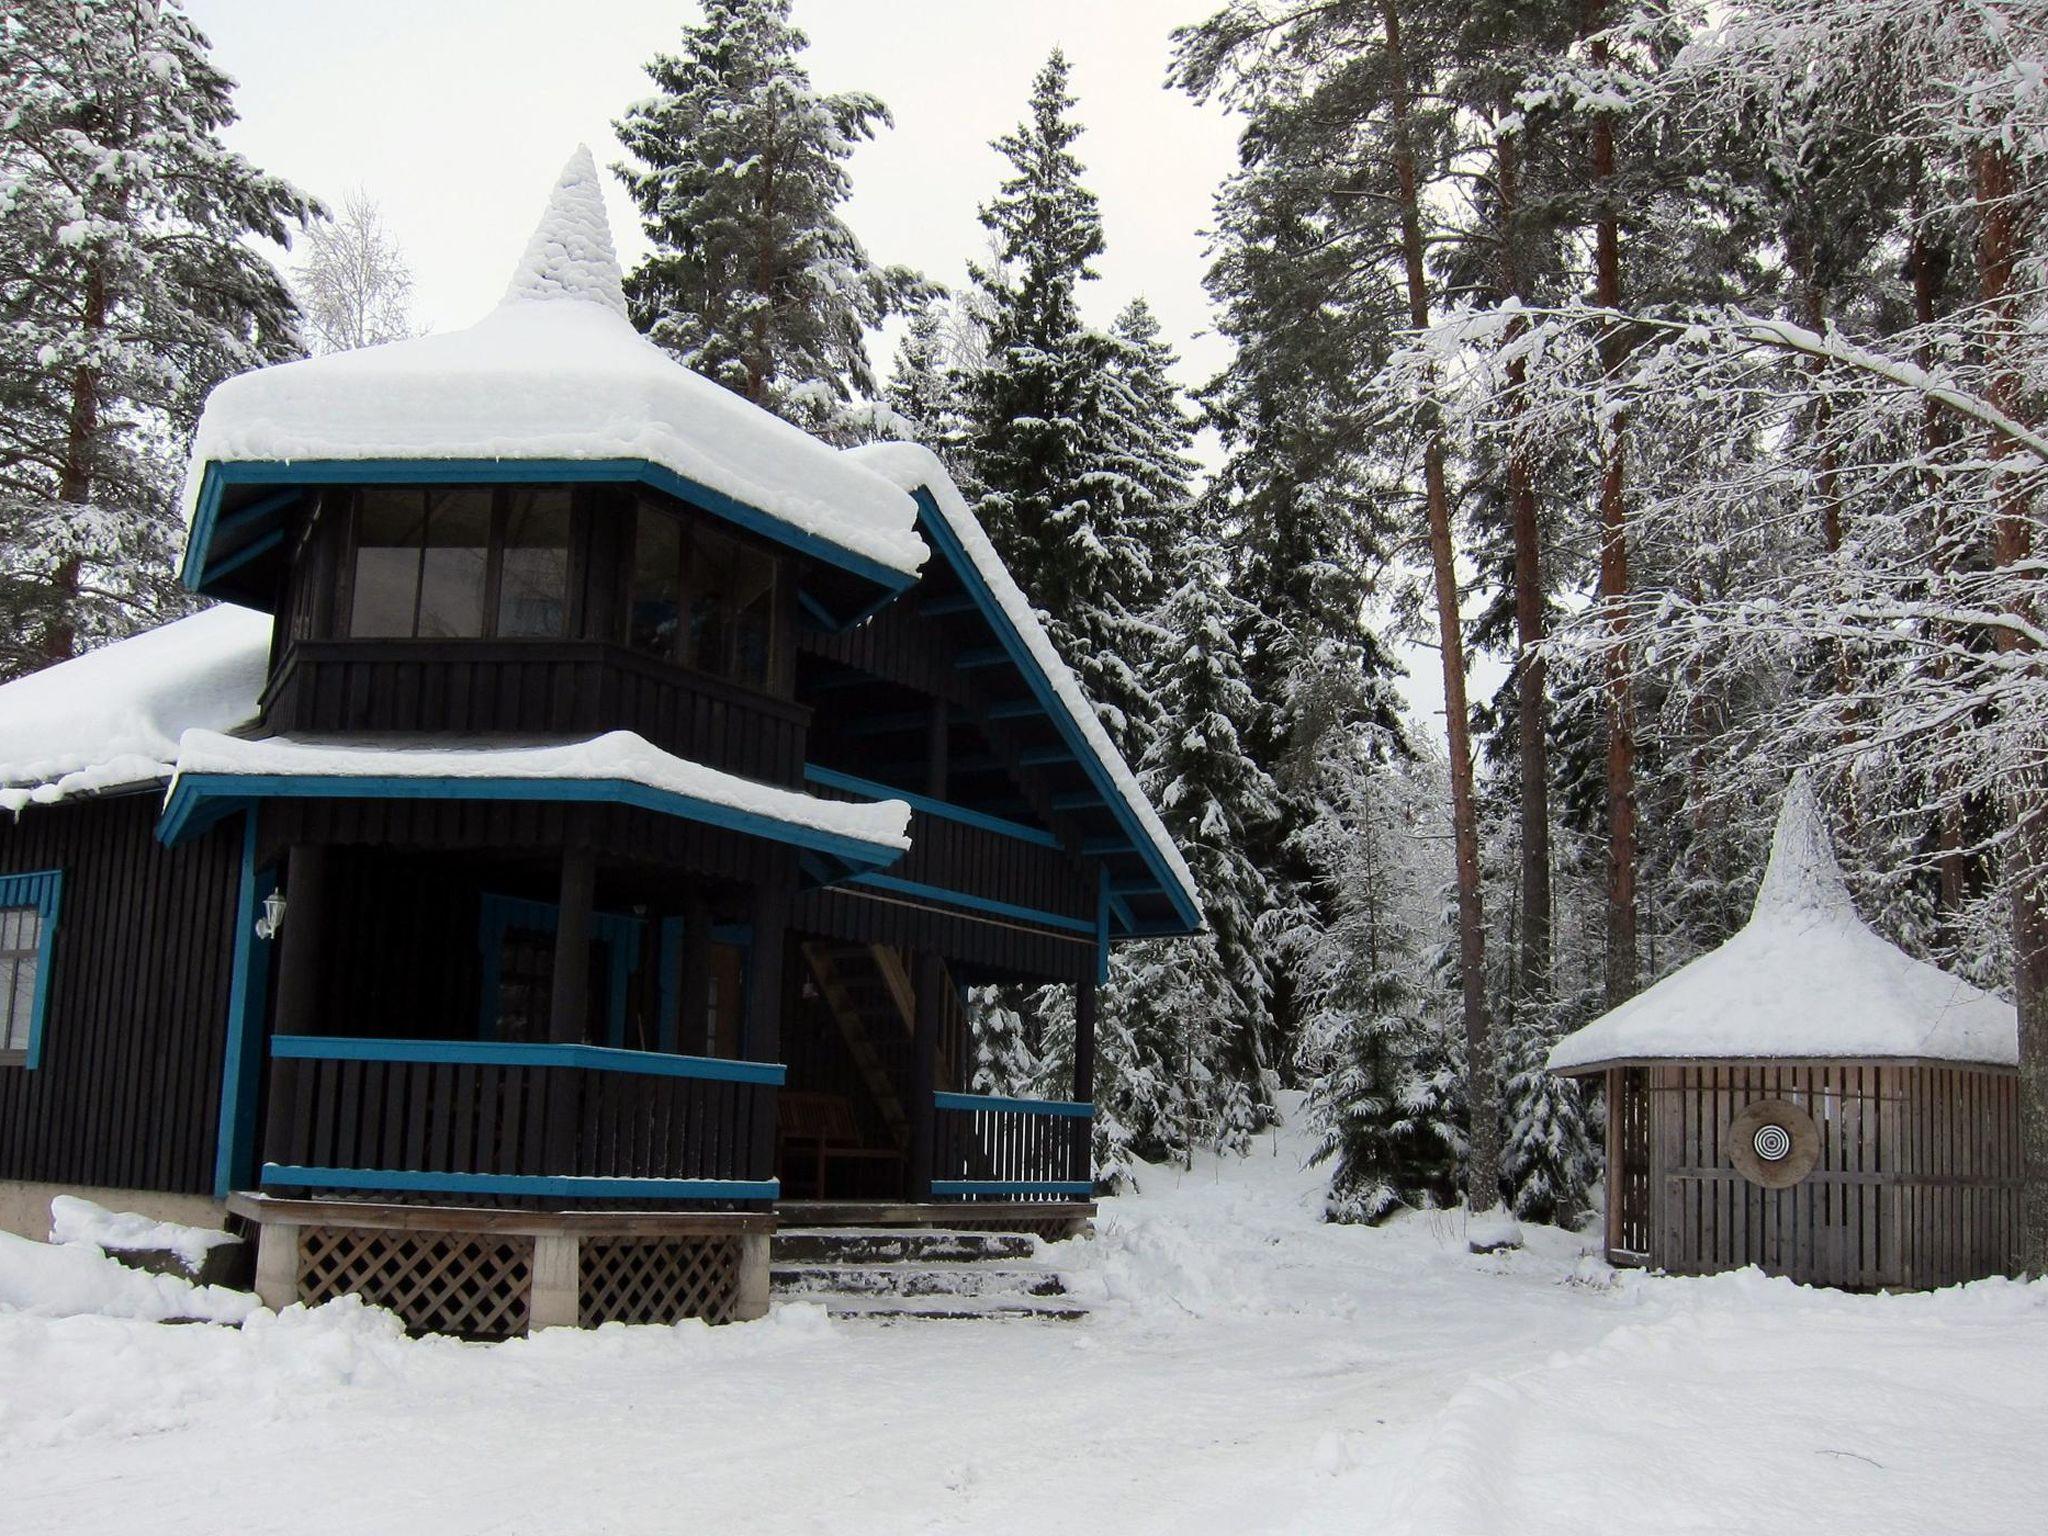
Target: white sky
(456, 116)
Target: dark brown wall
(128, 1093)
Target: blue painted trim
(234, 1149)
(1015, 709)
(197, 800)
(1012, 1187)
(514, 1053)
(976, 1103)
(1045, 757)
(940, 607)
(820, 614)
(1079, 800)
(218, 476)
(975, 903)
(42, 889)
(832, 778)
(980, 656)
(253, 550)
(942, 537)
(257, 511)
(290, 1174)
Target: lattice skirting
(479, 1285)
(658, 1279)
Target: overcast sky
(455, 115)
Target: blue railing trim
(1012, 1187)
(974, 1103)
(520, 1053)
(947, 894)
(292, 1174)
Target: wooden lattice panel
(475, 1284)
(658, 1279)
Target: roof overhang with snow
(217, 775)
(1148, 888)
(554, 385)
(1805, 980)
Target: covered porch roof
(215, 775)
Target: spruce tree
(128, 289)
(739, 172)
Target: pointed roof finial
(570, 255)
(1802, 876)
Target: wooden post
(763, 1034)
(924, 1071)
(693, 1027)
(302, 941)
(569, 1006)
(1084, 1076)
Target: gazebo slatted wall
(1917, 1182)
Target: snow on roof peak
(1805, 978)
(1802, 875)
(571, 255)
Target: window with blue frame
(28, 932)
(517, 941)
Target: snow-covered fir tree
(739, 170)
(129, 287)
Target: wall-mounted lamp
(273, 916)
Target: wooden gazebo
(1809, 1099)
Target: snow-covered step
(914, 1280)
(895, 1245)
(954, 1309)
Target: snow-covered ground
(1245, 1370)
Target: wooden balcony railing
(501, 1122)
(1010, 1148)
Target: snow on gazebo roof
(1805, 978)
(555, 372)
(111, 719)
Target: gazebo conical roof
(1804, 979)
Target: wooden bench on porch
(819, 1128)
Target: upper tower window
(460, 563)
(702, 598)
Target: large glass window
(459, 563)
(702, 598)
(533, 581)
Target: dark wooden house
(572, 847)
(1809, 1099)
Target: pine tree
(739, 173)
(128, 289)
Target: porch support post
(302, 940)
(763, 1036)
(924, 1071)
(696, 976)
(277, 1264)
(557, 1278)
(569, 1003)
(1084, 1039)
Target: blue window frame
(28, 937)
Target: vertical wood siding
(128, 1093)
(1917, 1184)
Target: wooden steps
(891, 1274)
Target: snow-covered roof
(555, 372)
(616, 757)
(916, 468)
(111, 719)
(1805, 978)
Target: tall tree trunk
(1532, 958)
(2013, 543)
(1482, 1094)
(1623, 967)
(74, 484)
(1937, 435)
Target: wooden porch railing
(1010, 1148)
(501, 1121)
